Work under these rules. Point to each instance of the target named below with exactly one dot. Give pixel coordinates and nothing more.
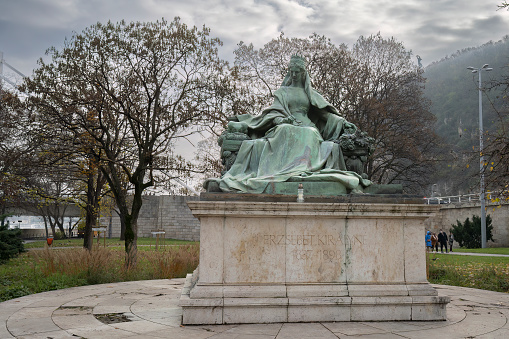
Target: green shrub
(11, 243)
(59, 235)
(13, 291)
(468, 233)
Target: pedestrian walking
(427, 238)
(451, 241)
(442, 239)
(434, 242)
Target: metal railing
(452, 199)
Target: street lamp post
(481, 160)
(433, 190)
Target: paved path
(478, 254)
(149, 309)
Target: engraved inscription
(322, 255)
(313, 247)
(281, 239)
(302, 254)
(329, 255)
(309, 240)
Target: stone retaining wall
(168, 213)
(450, 213)
(171, 214)
(33, 233)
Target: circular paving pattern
(149, 309)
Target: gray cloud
(431, 29)
(438, 39)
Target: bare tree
(127, 92)
(17, 158)
(387, 101)
(49, 195)
(374, 85)
(496, 152)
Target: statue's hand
(288, 120)
(237, 127)
(296, 122)
(349, 127)
(278, 120)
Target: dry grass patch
(49, 269)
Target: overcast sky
(430, 28)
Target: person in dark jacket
(442, 239)
(451, 241)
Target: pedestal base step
(221, 308)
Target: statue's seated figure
(300, 137)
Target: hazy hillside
(454, 93)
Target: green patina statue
(300, 138)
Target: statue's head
(297, 73)
(298, 61)
(297, 69)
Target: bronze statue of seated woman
(297, 139)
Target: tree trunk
(56, 218)
(95, 184)
(60, 225)
(122, 229)
(45, 226)
(2, 221)
(131, 238)
(90, 214)
(90, 222)
(131, 230)
(129, 219)
(52, 225)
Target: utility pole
(1, 67)
(2, 76)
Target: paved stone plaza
(149, 309)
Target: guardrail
(452, 199)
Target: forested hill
(455, 102)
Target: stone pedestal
(265, 262)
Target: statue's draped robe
(286, 152)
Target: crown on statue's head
(298, 60)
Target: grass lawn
(113, 242)
(488, 273)
(459, 260)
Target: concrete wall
(27, 233)
(450, 213)
(168, 213)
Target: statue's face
(297, 75)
